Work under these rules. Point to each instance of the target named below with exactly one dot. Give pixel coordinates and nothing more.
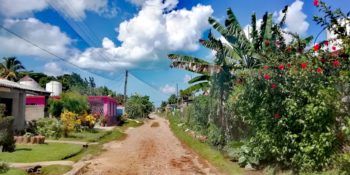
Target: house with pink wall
(36, 100)
(104, 106)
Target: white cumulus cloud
(149, 36)
(296, 18)
(45, 35)
(53, 69)
(167, 89)
(75, 9)
(15, 8)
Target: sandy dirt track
(150, 149)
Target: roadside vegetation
(272, 100)
(215, 157)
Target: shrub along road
(149, 149)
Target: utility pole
(125, 86)
(177, 90)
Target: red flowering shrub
(306, 139)
(296, 111)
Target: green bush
(75, 102)
(138, 106)
(7, 141)
(4, 167)
(49, 127)
(2, 109)
(199, 117)
(293, 115)
(55, 107)
(344, 163)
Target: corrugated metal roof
(15, 85)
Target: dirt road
(149, 149)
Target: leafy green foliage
(75, 102)
(55, 107)
(138, 106)
(3, 167)
(49, 127)
(7, 141)
(10, 68)
(172, 99)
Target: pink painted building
(104, 106)
(36, 100)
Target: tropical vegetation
(10, 67)
(280, 96)
(138, 106)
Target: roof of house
(30, 82)
(28, 89)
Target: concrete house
(35, 105)
(13, 95)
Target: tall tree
(172, 99)
(10, 68)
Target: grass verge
(14, 171)
(41, 152)
(116, 134)
(205, 151)
(47, 170)
(55, 169)
(87, 136)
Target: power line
(82, 29)
(148, 84)
(50, 53)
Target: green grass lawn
(14, 171)
(47, 170)
(88, 136)
(205, 151)
(43, 152)
(97, 135)
(55, 169)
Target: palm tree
(10, 67)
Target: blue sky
(108, 36)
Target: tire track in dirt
(149, 150)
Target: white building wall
(34, 112)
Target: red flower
(266, 67)
(336, 63)
(277, 116)
(334, 48)
(273, 86)
(316, 3)
(281, 67)
(267, 42)
(326, 43)
(319, 70)
(323, 60)
(304, 65)
(316, 47)
(289, 65)
(267, 77)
